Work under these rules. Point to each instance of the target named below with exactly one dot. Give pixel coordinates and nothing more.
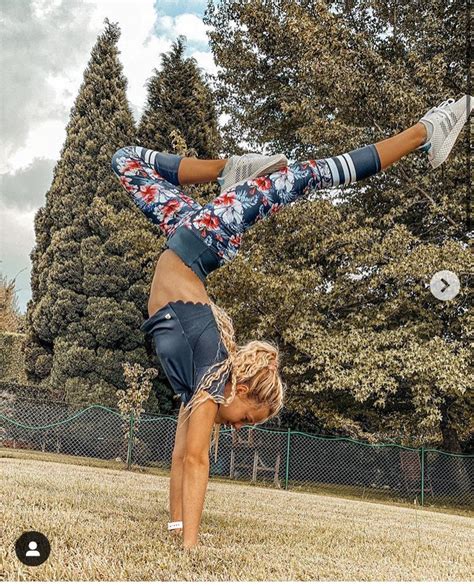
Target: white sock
(226, 169)
(429, 129)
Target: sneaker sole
(274, 164)
(449, 142)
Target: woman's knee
(124, 152)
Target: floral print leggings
(151, 179)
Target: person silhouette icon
(31, 550)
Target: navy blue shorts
(187, 342)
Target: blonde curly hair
(255, 364)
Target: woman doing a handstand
(218, 381)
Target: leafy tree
(340, 282)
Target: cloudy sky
(45, 48)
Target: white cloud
(17, 239)
(33, 47)
(205, 60)
(42, 8)
(44, 140)
(25, 189)
(46, 45)
(188, 24)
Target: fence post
(287, 458)
(422, 475)
(130, 443)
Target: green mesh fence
(284, 459)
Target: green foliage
(180, 115)
(12, 366)
(12, 324)
(11, 320)
(138, 389)
(179, 100)
(342, 284)
(94, 251)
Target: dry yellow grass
(108, 525)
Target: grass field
(108, 524)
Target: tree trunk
(450, 436)
(456, 480)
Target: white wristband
(175, 525)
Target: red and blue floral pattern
(222, 222)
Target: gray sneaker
(241, 168)
(446, 121)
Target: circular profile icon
(32, 548)
(445, 285)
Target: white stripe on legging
(148, 155)
(334, 172)
(345, 169)
(350, 164)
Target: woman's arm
(195, 479)
(176, 491)
(177, 465)
(196, 469)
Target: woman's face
(241, 411)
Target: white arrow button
(445, 285)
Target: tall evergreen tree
(180, 114)
(179, 100)
(94, 254)
(341, 282)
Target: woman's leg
(192, 171)
(223, 222)
(176, 475)
(151, 178)
(394, 148)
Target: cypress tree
(179, 100)
(180, 115)
(94, 254)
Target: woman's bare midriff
(174, 280)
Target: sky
(45, 48)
